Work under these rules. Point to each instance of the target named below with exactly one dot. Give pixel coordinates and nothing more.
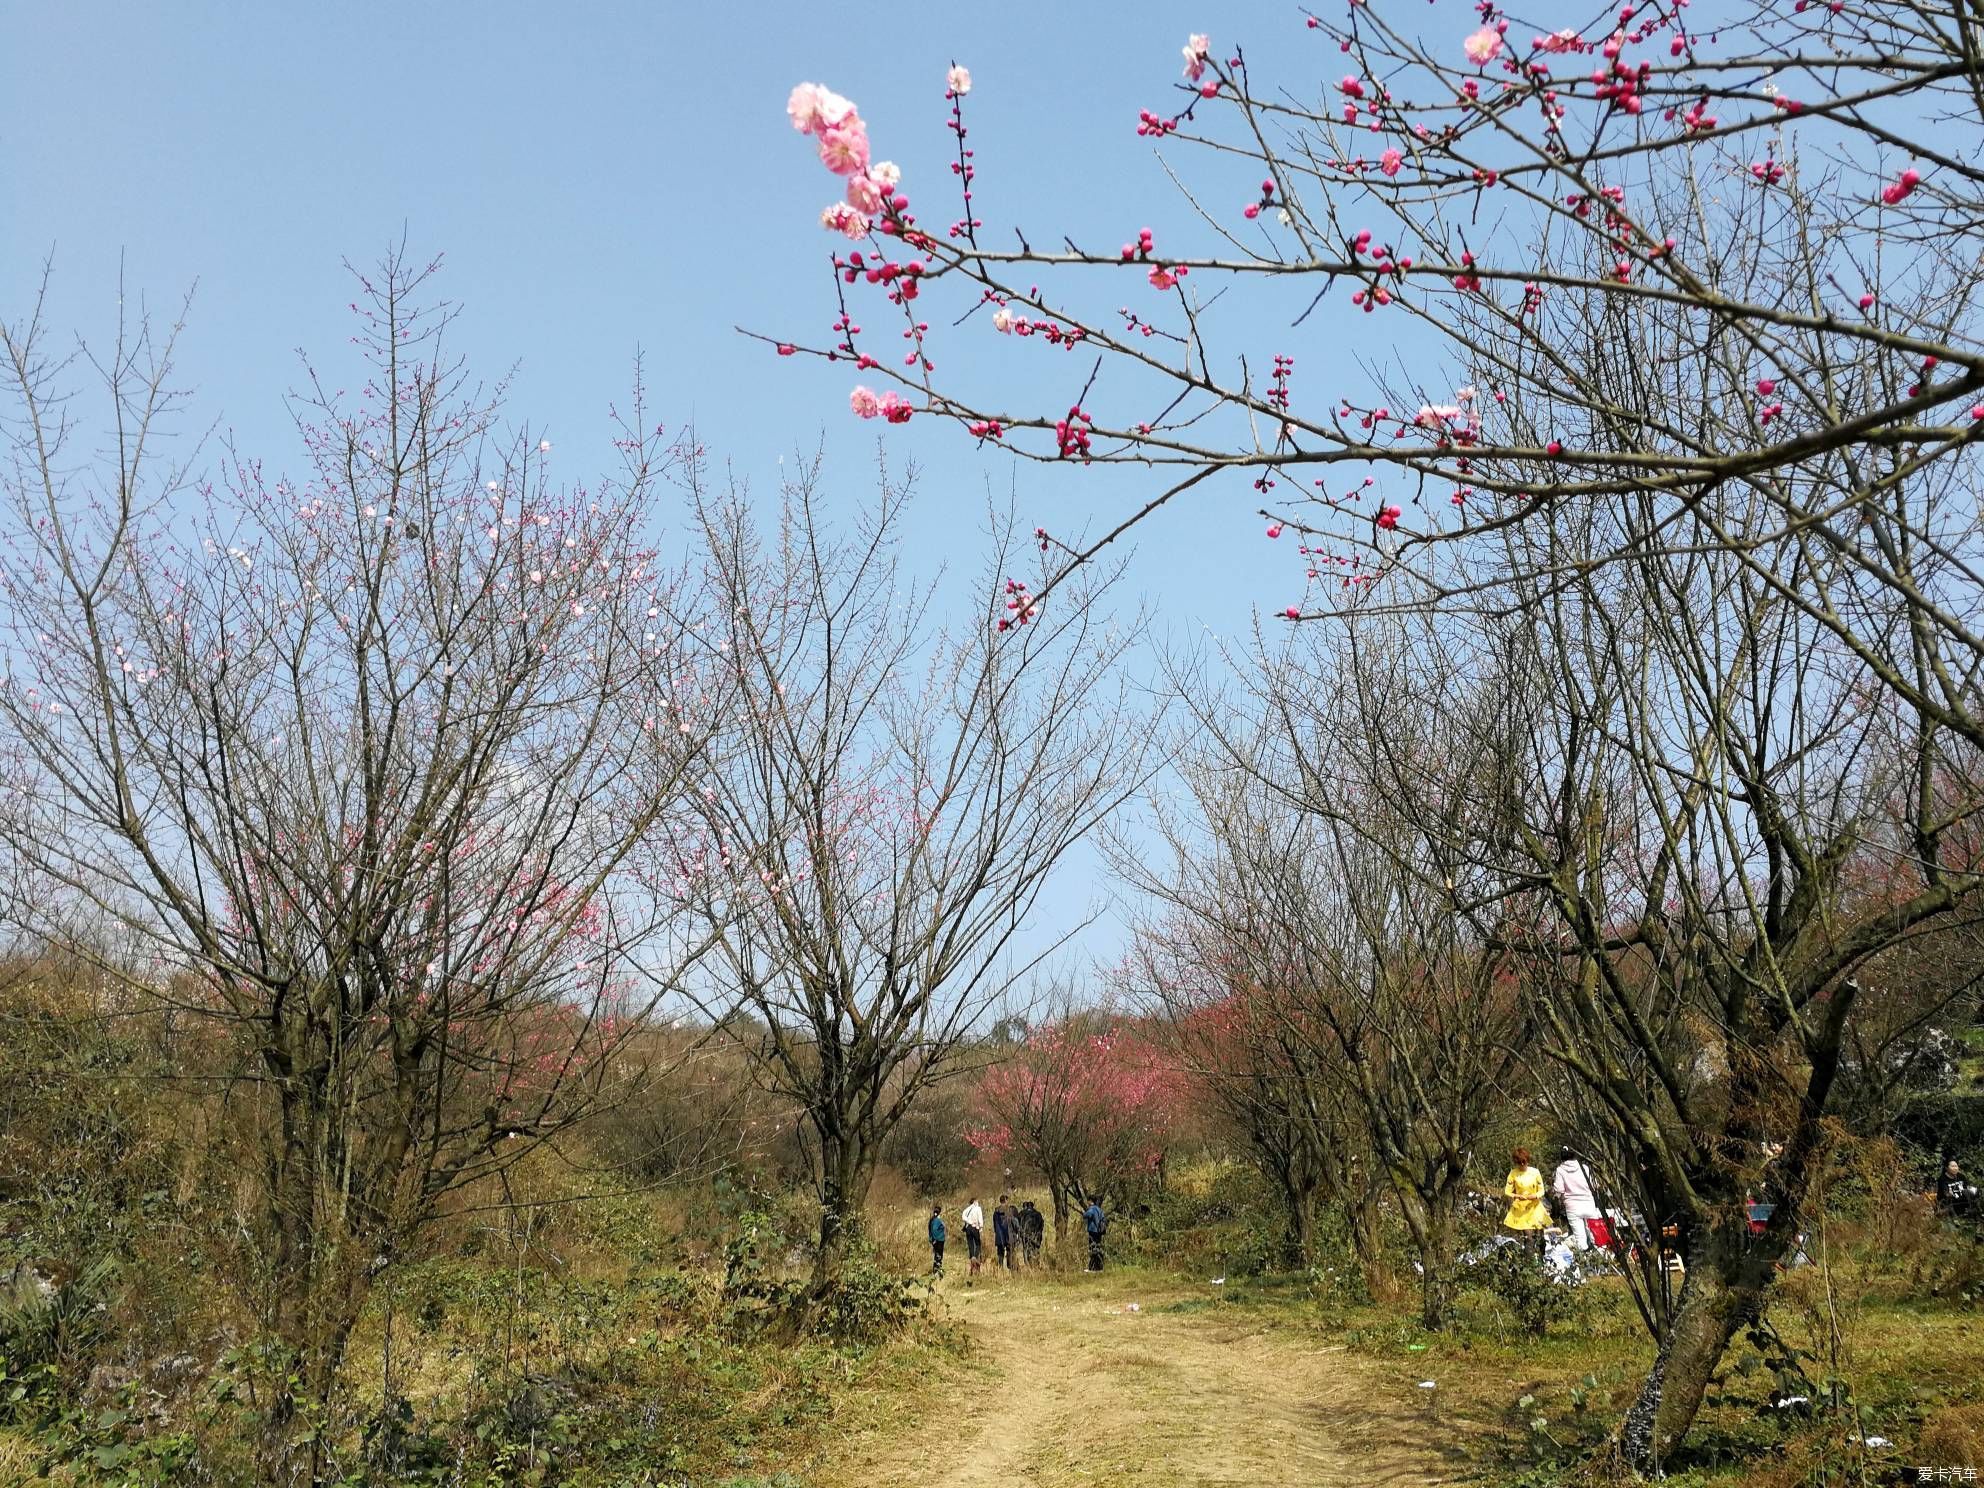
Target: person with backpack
(1003, 1238)
(936, 1239)
(1033, 1230)
(1096, 1223)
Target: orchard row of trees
(1626, 753)
(426, 787)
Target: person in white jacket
(1572, 1185)
(973, 1220)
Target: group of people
(1018, 1231)
(1529, 1213)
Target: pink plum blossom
(803, 107)
(1195, 55)
(958, 80)
(844, 146)
(1484, 46)
(1390, 161)
(1903, 186)
(1005, 321)
(813, 108)
(885, 174)
(843, 219)
(864, 194)
(890, 405)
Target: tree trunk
(844, 1178)
(1060, 1216)
(1724, 1290)
(1301, 1242)
(1368, 1246)
(314, 1318)
(1431, 1225)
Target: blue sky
(604, 178)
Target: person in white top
(1572, 1184)
(973, 1220)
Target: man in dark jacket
(1033, 1230)
(1003, 1238)
(936, 1239)
(1097, 1225)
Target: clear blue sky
(601, 178)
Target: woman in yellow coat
(1524, 1190)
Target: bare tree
(1731, 820)
(359, 761)
(889, 804)
(1251, 1060)
(1330, 893)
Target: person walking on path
(1096, 1223)
(936, 1239)
(1572, 1186)
(1002, 1232)
(1528, 1215)
(973, 1220)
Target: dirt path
(1065, 1385)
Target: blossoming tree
(1521, 213)
(1250, 1059)
(352, 767)
(1686, 292)
(1090, 1103)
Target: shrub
(866, 1303)
(1531, 1291)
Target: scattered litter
(1415, 1348)
(1879, 1441)
(1790, 1400)
(1428, 1385)
(1132, 1307)
(1219, 1281)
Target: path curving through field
(1064, 1384)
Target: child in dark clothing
(936, 1239)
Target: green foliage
(866, 1304)
(862, 1304)
(1529, 1289)
(42, 1322)
(110, 1443)
(1219, 1215)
